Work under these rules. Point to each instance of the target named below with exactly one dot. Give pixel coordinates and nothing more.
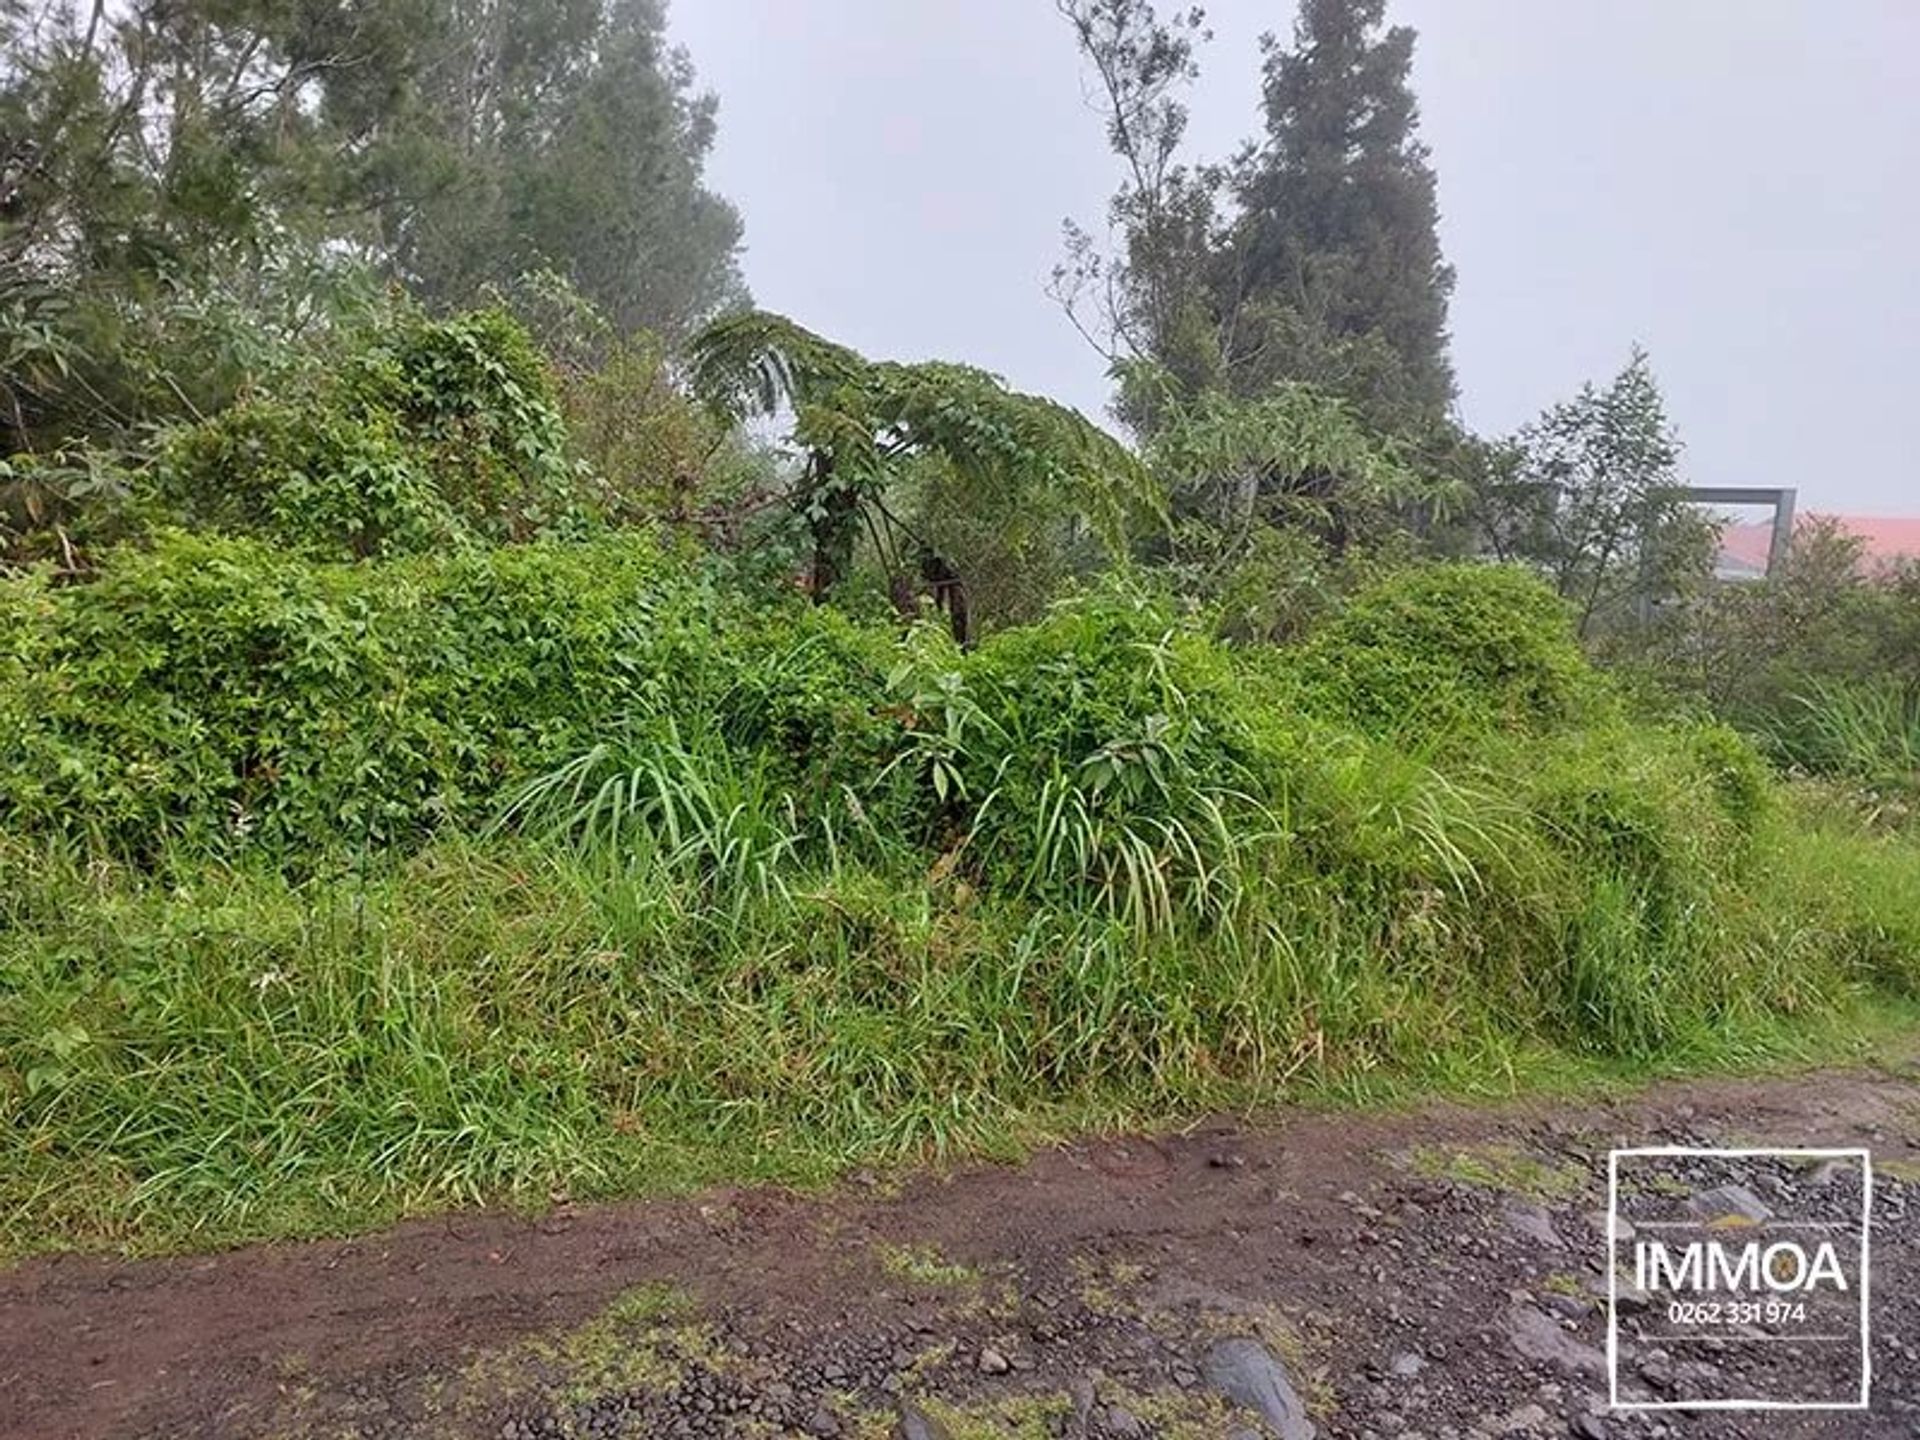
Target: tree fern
(1029, 464)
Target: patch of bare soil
(1433, 1275)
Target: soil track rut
(1435, 1274)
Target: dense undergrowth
(331, 890)
(455, 753)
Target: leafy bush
(1439, 647)
(57, 508)
(102, 367)
(1819, 662)
(732, 723)
(227, 692)
(1106, 752)
(304, 476)
(1272, 498)
(433, 432)
(476, 399)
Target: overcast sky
(1735, 184)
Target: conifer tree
(1336, 269)
(1313, 257)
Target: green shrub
(59, 507)
(1444, 647)
(433, 433)
(305, 476)
(1107, 752)
(232, 694)
(228, 693)
(474, 397)
(766, 729)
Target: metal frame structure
(1782, 501)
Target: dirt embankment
(1436, 1275)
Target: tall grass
(702, 813)
(1101, 870)
(1868, 733)
(534, 1016)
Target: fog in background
(1735, 185)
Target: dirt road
(1431, 1275)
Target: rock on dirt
(915, 1424)
(1246, 1373)
(1531, 1222)
(1539, 1336)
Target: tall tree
(168, 164)
(563, 135)
(1148, 299)
(1338, 277)
(1313, 257)
(152, 154)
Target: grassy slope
(249, 1057)
(808, 895)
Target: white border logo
(1864, 1158)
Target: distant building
(1887, 542)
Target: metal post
(1782, 534)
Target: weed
(924, 1265)
(1505, 1168)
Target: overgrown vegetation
(450, 753)
(765, 889)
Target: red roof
(1888, 539)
